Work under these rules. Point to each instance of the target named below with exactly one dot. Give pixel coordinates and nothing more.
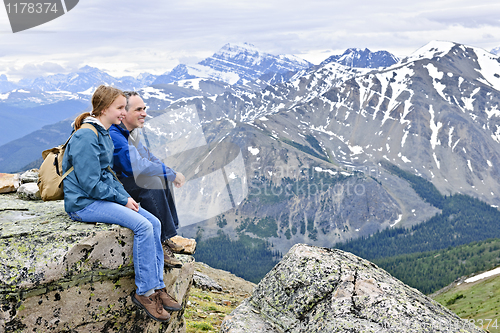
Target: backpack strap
(89, 126)
(114, 174)
(85, 125)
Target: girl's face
(114, 113)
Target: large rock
(322, 290)
(29, 191)
(30, 176)
(9, 182)
(58, 275)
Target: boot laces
(156, 298)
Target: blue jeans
(147, 250)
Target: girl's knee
(144, 227)
(155, 223)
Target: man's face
(136, 113)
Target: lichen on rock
(317, 289)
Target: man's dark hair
(127, 96)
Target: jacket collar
(123, 130)
(130, 135)
(94, 121)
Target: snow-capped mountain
(436, 114)
(496, 50)
(355, 57)
(51, 89)
(84, 81)
(6, 85)
(235, 64)
(208, 79)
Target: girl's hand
(132, 204)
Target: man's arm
(130, 160)
(145, 163)
(179, 180)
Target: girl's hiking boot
(153, 306)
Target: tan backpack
(50, 175)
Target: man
(144, 176)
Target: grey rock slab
(30, 176)
(317, 289)
(29, 191)
(204, 282)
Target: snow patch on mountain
(436, 76)
(431, 50)
(490, 69)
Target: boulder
(204, 282)
(188, 244)
(30, 176)
(327, 290)
(58, 275)
(9, 182)
(29, 191)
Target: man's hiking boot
(169, 303)
(187, 245)
(176, 248)
(169, 257)
(153, 306)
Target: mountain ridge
(354, 57)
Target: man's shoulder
(115, 129)
(116, 132)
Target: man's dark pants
(154, 195)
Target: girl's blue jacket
(91, 180)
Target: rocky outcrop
(29, 191)
(323, 290)
(9, 182)
(204, 282)
(30, 176)
(58, 275)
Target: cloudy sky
(126, 37)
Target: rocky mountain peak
(235, 51)
(234, 64)
(496, 50)
(88, 69)
(249, 63)
(355, 57)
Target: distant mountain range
(81, 82)
(363, 58)
(235, 64)
(234, 67)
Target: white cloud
(129, 37)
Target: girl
(91, 193)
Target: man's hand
(132, 205)
(179, 180)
